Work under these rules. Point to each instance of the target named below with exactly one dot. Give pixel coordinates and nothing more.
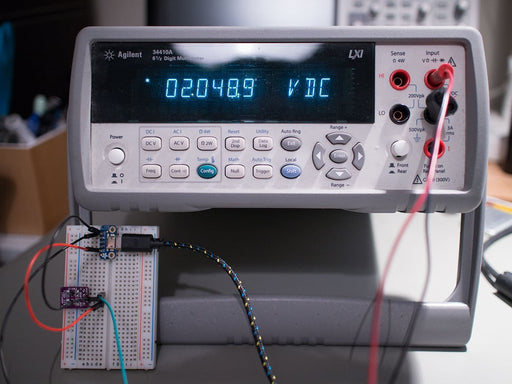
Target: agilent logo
(109, 55)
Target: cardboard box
(33, 185)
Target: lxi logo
(356, 54)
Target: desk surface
(30, 351)
(499, 183)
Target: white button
(116, 156)
(235, 143)
(179, 171)
(151, 143)
(374, 10)
(400, 149)
(179, 143)
(423, 10)
(263, 143)
(262, 171)
(151, 171)
(463, 6)
(207, 143)
(235, 171)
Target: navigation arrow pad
(358, 152)
(339, 174)
(318, 156)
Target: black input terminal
(434, 101)
(400, 79)
(428, 148)
(399, 113)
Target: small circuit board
(108, 238)
(74, 297)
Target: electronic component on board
(108, 240)
(74, 297)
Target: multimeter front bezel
(170, 196)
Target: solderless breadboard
(129, 284)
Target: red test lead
(27, 298)
(446, 71)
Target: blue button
(291, 171)
(207, 171)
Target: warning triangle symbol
(417, 180)
(452, 62)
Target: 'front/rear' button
(207, 171)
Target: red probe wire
(446, 72)
(27, 299)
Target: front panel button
(400, 149)
(151, 171)
(235, 143)
(338, 138)
(179, 143)
(339, 174)
(116, 156)
(358, 152)
(235, 171)
(338, 156)
(262, 171)
(207, 171)
(291, 143)
(263, 143)
(291, 171)
(151, 143)
(179, 171)
(207, 143)
(318, 156)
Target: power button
(116, 156)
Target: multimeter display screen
(145, 82)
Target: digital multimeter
(183, 119)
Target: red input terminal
(429, 147)
(400, 79)
(434, 78)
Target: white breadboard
(129, 283)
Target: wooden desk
(499, 183)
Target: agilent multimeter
(182, 119)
